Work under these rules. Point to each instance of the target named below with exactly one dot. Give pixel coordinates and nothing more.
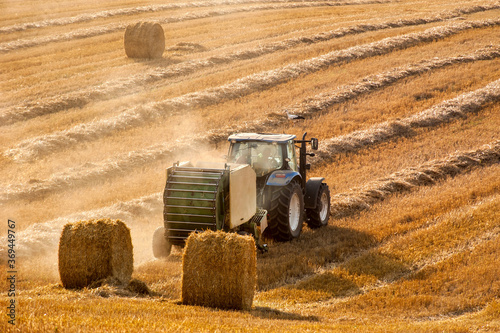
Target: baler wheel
(161, 247)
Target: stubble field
(402, 95)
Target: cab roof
(278, 138)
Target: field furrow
(348, 204)
(115, 27)
(93, 173)
(367, 85)
(112, 89)
(131, 11)
(39, 146)
(442, 113)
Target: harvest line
(131, 11)
(42, 238)
(443, 112)
(120, 87)
(439, 114)
(344, 93)
(115, 27)
(46, 144)
(349, 204)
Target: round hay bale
(144, 40)
(219, 270)
(93, 250)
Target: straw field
(404, 97)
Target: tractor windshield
(264, 157)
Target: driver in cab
(266, 160)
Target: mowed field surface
(404, 97)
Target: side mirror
(314, 143)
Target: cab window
(264, 157)
(292, 159)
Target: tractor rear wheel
(286, 213)
(318, 217)
(161, 247)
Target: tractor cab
(265, 153)
(281, 185)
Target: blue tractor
(282, 187)
(262, 189)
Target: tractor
(261, 189)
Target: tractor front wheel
(161, 247)
(286, 213)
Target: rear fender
(312, 189)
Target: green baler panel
(193, 200)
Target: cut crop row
(138, 116)
(91, 173)
(116, 27)
(119, 87)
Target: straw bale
(144, 40)
(219, 270)
(93, 250)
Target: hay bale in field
(219, 270)
(93, 250)
(144, 40)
